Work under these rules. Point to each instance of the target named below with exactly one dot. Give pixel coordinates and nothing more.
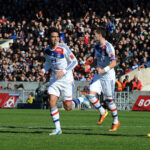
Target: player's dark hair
(51, 30)
(101, 30)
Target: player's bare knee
(68, 108)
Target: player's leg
(108, 89)
(67, 95)
(94, 88)
(83, 100)
(71, 104)
(53, 98)
(93, 99)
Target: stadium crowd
(27, 22)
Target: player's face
(54, 38)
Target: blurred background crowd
(27, 23)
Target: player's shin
(92, 98)
(55, 117)
(112, 107)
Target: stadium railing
(121, 99)
(124, 100)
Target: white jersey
(60, 58)
(105, 54)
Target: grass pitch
(28, 130)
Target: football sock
(112, 107)
(55, 117)
(92, 98)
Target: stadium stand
(4, 43)
(27, 23)
(143, 76)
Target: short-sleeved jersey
(60, 58)
(105, 54)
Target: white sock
(112, 107)
(55, 117)
(92, 98)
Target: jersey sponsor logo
(54, 54)
(59, 50)
(142, 103)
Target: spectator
(86, 38)
(128, 25)
(127, 69)
(126, 83)
(82, 78)
(69, 26)
(30, 99)
(135, 65)
(136, 84)
(20, 86)
(109, 25)
(9, 86)
(145, 64)
(119, 85)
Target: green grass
(28, 130)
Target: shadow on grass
(44, 128)
(37, 132)
(64, 133)
(107, 134)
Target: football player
(104, 79)
(61, 61)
